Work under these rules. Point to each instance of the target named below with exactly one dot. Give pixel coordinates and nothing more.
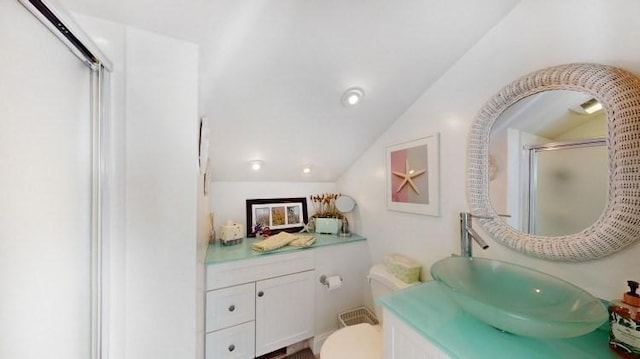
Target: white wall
(227, 199)
(534, 35)
(351, 262)
(161, 181)
(155, 296)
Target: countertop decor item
(413, 180)
(232, 242)
(212, 230)
(283, 239)
(231, 233)
(324, 205)
(261, 231)
(345, 204)
(278, 214)
(624, 317)
(326, 218)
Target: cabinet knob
(260, 293)
(232, 308)
(232, 347)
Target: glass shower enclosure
(51, 118)
(568, 187)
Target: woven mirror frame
(619, 224)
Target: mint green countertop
(217, 253)
(428, 309)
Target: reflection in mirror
(548, 163)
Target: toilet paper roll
(334, 282)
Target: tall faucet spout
(467, 233)
(481, 242)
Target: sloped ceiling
(272, 72)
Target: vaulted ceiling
(272, 72)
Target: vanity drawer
(255, 269)
(234, 342)
(230, 306)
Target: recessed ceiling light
(588, 107)
(352, 97)
(591, 106)
(306, 169)
(256, 165)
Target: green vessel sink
(519, 300)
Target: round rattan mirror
(619, 224)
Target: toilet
(363, 341)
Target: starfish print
(408, 176)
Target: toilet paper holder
(325, 282)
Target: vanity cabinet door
(284, 311)
(402, 342)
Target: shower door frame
(62, 25)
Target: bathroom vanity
(260, 302)
(423, 322)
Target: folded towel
(303, 241)
(273, 242)
(282, 239)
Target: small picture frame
(279, 214)
(412, 176)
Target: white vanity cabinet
(402, 342)
(258, 305)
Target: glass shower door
(45, 193)
(568, 189)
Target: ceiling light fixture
(591, 106)
(588, 107)
(256, 165)
(352, 97)
(306, 169)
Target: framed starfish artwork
(413, 178)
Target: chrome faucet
(467, 233)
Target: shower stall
(53, 83)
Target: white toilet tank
(381, 282)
